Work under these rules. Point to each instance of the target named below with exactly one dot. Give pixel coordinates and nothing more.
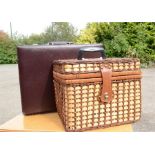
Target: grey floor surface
(9, 92)
(147, 122)
(10, 97)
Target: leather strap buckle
(106, 93)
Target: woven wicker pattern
(78, 99)
(117, 65)
(80, 108)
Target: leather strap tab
(106, 94)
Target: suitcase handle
(91, 49)
(60, 43)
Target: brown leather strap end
(106, 94)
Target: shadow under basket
(97, 93)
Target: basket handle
(91, 49)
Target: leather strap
(106, 94)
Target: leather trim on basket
(92, 75)
(106, 93)
(79, 81)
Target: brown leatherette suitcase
(35, 74)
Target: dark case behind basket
(36, 82)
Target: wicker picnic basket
(97, 93)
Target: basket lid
(96, 60)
